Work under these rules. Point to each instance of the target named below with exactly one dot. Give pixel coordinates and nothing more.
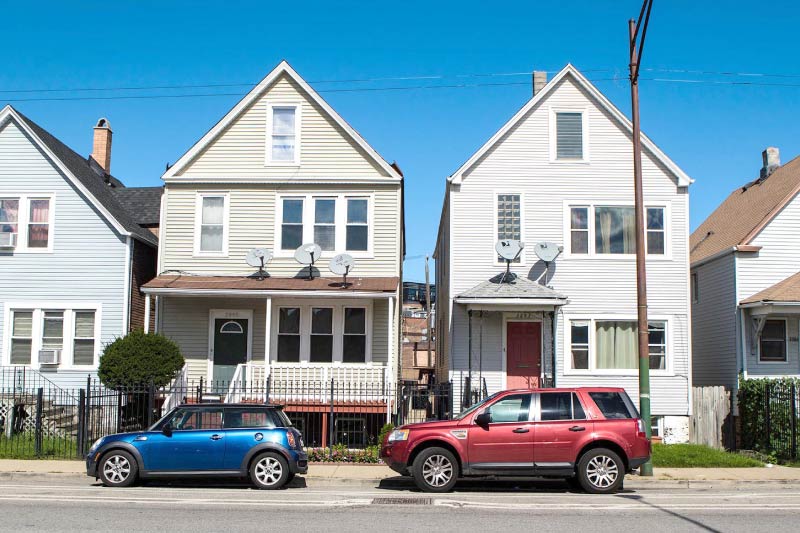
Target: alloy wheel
(268, 471)
(117, 469)
(437, 470)
(602, 471)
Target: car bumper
(394, 455)
(636, 462)
(300, 463)
(91, 465)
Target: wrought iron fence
(769, 412)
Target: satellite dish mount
(509, 250)
(307, 254)
(342, 264)
(258, 258)
(547, 252)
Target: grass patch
(23, 446)
(697, 456)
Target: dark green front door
(230, 347)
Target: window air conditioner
(49, 357)
(8, 240)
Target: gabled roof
(746, 211)
(570, 71)
(515, 287)
(87, 176)
(783, 292)
(143, 203)
(283, 68)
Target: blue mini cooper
(231, 440)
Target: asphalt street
(78, 504)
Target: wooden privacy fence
(711, 407)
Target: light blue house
(75, 246)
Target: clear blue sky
(715, 132)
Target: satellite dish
(509, 249)
(258, 258)
(547, 251)
(342, 264)
(307, 254)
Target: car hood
(432, 424)
(123, 436)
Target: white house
(745, 272)
(560, 171)
(75, 245)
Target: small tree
(138, 359)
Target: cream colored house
(279, 170)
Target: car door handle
(577, 428)
(216, 437)
(521, 430)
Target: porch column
(267, 337)
(147, 313)
(391, 369)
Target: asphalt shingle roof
(143, 203)
(516, 287)
(787, 290)
(100, 184)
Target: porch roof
(786, 292)
(515, 291)
(191, 285)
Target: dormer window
(283, 127)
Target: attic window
(283, 139)
(569, 136)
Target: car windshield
(473, 408)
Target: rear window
(614, 405)
(245, 417)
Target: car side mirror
(484, 419)
(166, 429)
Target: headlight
(398, 435)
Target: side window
(577, 409)
(556, 406)
(248, 418)
(613, 405)
(515, 408)
(193, 419)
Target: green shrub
(765, 412)
(385, 430)
(140, 359)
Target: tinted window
(252, 418)
(556, 406)
(577, 409)
(190, 419)
(514, 408)
(614, 405)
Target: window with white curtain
(84, 338)
(284, 134)
(53, 330)
(615, 230)
(612, 229)
(325, 223)
(212, 221)
(606, 345)
(21, 337)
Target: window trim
(67, 352)
(23, 220)
(309, 212)
(522, 256)
(669, 355)
(591, 205)
(198, 222)
(333, 224)
(311, 333)
(297, 106)
(305, 331)
(553, 135)
(785, 360)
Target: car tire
(291, 477)
(601, 471)
(435, 470)
(269, 471)
(118, 468)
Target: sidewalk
(334, 474)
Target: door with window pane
(230, 348)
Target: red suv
(590, 436)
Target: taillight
(640, 430)
(290, 439)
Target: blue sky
(714, 131)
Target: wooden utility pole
(428, 308)
(641, 246)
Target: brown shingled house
(745, 278)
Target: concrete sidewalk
(373, 474)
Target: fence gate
(711, 409)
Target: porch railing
(177, 390)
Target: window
(614, 405)
(509, 219)
(194, 419)
(321, 335)
(284, 138)
(580, 345)
(289, 335)
(772, 343)
(357, 224)
(560, 406)
(39, 223)
(9, 215)
(252, 417)
(325, 223)
(569, 136)
(83, 340)
(231, 327)
(351, 431)
(514, 408)
(615, 230)
(354, 342)
(211, 233)
(614, 345)
(292, 226)
(579, 230)
(695, 288)
(21, 337)
(53, 330)
(655, 231)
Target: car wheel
(269, 471)
(290, 477)
(118, 469)
(601, 471)
(435, 470)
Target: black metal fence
(40, 419)
(769, 412)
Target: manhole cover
(402, 501)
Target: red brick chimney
(101, 147)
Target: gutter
(247, 293)
(745, 248)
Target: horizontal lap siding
(88, 259)
(714, 351)
(520, 163)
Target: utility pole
(641, 251)
(428, 306)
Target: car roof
(233, 405)
(570, 389)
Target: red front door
(523, 354)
